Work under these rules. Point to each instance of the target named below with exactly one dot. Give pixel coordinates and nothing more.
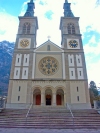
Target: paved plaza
(21, 130)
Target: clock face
(48, 66)
(24, 43)
(73, 43)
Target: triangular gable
(44, 47)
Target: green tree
(93, 91)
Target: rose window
(48, 66)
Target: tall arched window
(26, 28)
(71, 28)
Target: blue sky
(49, 13)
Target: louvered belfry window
(26, 28)
(71, 28)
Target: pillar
(42, 99)
(65, 100)
(54, 99)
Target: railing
(28, 111)
(2, 102)
(71, 113)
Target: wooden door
(38, 99)
(58, 99)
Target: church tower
(21, 70)
(48, 75)
(72, 45)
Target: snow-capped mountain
(6, 53)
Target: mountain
(6, 53)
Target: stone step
(53, 118)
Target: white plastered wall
(81, 91)
(26, 60)
(25, 73)
(22, 93)
(18, 60)
(57, 75)
(72, 70)
(78, 60)
(17, 73)
(71, 60)
(80, 70)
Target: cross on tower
(49, 37)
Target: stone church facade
(48, 75)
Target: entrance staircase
(50, 118)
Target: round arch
(48, 95)
(60, 95)
(36, 95)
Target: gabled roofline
(51, 43)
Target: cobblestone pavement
(23, 130)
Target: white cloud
(94, 72)
(88, 13)
(8, 27)
(92, 47)
(93, 40)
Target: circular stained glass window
(48, 66)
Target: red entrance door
(38, 99)
(58, 99)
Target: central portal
(48, 99)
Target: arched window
(26, 28)
(71, 28)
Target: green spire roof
(67, 10)
(30, 9)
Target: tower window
(25, 72)
(71, 28)
(78, 60)
(19, 88)
(17, 72)
(71, 60)
(48, 47)
(26, 28)
(18, 98)
(26, 60)
(72, 73)
(80, 73)
(18, 60)
(78, 98)
(77, 89)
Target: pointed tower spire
(66, 1)
(30, 9)
(31, 1)
(67, 9)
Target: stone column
(42, 99)
(54, 99)
(65, 100)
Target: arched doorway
(37, 97)
(48, 97)
(60, 97)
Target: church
(48, 75)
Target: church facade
(48, 75)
